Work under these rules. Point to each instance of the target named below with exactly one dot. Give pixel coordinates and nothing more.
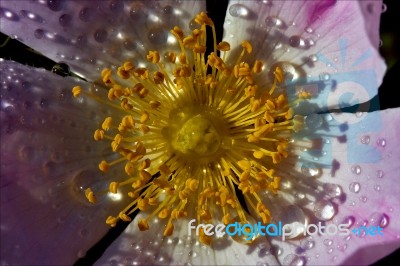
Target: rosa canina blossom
(160, 131)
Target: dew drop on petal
(100, 35)
(349, 221)
(238, 10)
(377, 188)
(355, 187)
(356, 169)
(381, 142)
(294, 260)
(365, 139)
(364, 199)
(379, 219)
(309, 30)
(307, 243)
(332, 190)
(379, 173)
(295, 216)
(384, 8)
(38, 33)
(328, 242)
(55, 5)
(65, 20)
(273, 22)
(324, 76)
(88, 179)
(313, 121)
(297, 41)
(157, 36)
(324, 210)
(310, 170)
(313, 58)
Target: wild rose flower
(251, 132)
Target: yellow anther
(128, 122)
(106, 124)
(106, 76)
(138, 87)
(90, 195)
(104, 166)
(276, 157)
(258, 154)
(269, 118)
(263, 130)
(164, 213)
(189, 42)
(270, 105)
(153, 57)
(304, 95)
(183, 195)
(158, 77)
(205, 215)
(282, 149)
(145, 164)
(193, 185)
(250, 91)
(129, 168)
(247, 46)
(138, 183)
(128, 66)
(177, 32)
(226, 219)
(255, 105)
(244, 164)
(144, 175)
(182, 58)
(144, 117)
(154, 104)
(124, 217)
(261, 176)
(98, 135)
(279, 74)
(122, 73)
(171, 57)
(142, 204)
(223, 46)
(111, 221)
(200, 49)
(143, 225)
(257, 67)
(289, 114)
(244, 176)
(202, 18)
(145, 129)
(169, 229)
(113, 188)
(141, 72)
(175, 214)
(143, 92)
(76, 91)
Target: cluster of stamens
(191, 131)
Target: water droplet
(384, 8)
(310, 170)
(297, 41)
(100, 35)
(293, 259)
(324, 76)
(89, 179)
(384, 220)
(324, 210)
(307, 243)
(328, 117)
(290, 72)
(379, 173)
(65, 20)
(274, 22)
(238, 10)
(157, 36)
(355, 187)
(313, 58)
(349, 221)
(332, 190)
(313, 121)
(117, 6)
(379, 219)
(365, 139)
(363, 199)
(310, 42)
(55, 5)
(381, 142)
(31, 16)
(328, 242)
(330, 250)
(295, 216)
(39, 33)
(356, 169)
(377, 187)
(86, 14)
(309, 30)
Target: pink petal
(359, 173)
(89, 35)
(317, 43)
(47, 154)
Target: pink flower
(265, 140)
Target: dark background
(387, 98)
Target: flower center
(190, 132)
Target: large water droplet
(38, 33)
(310, 170)
(65, 20)
(294, 216)
(31, 16)
(100, 35)
(89, 179)
(365, 139)
(313, 121)
(333, 190)
(355, 187)
(307, 243)
(324, 210)
(86, 14)
(238, 10)
(379, 219)
(55, 5)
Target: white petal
(151, 248)
(323, 47)
(47, 155)
(90, 35)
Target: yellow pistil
(191, 131)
